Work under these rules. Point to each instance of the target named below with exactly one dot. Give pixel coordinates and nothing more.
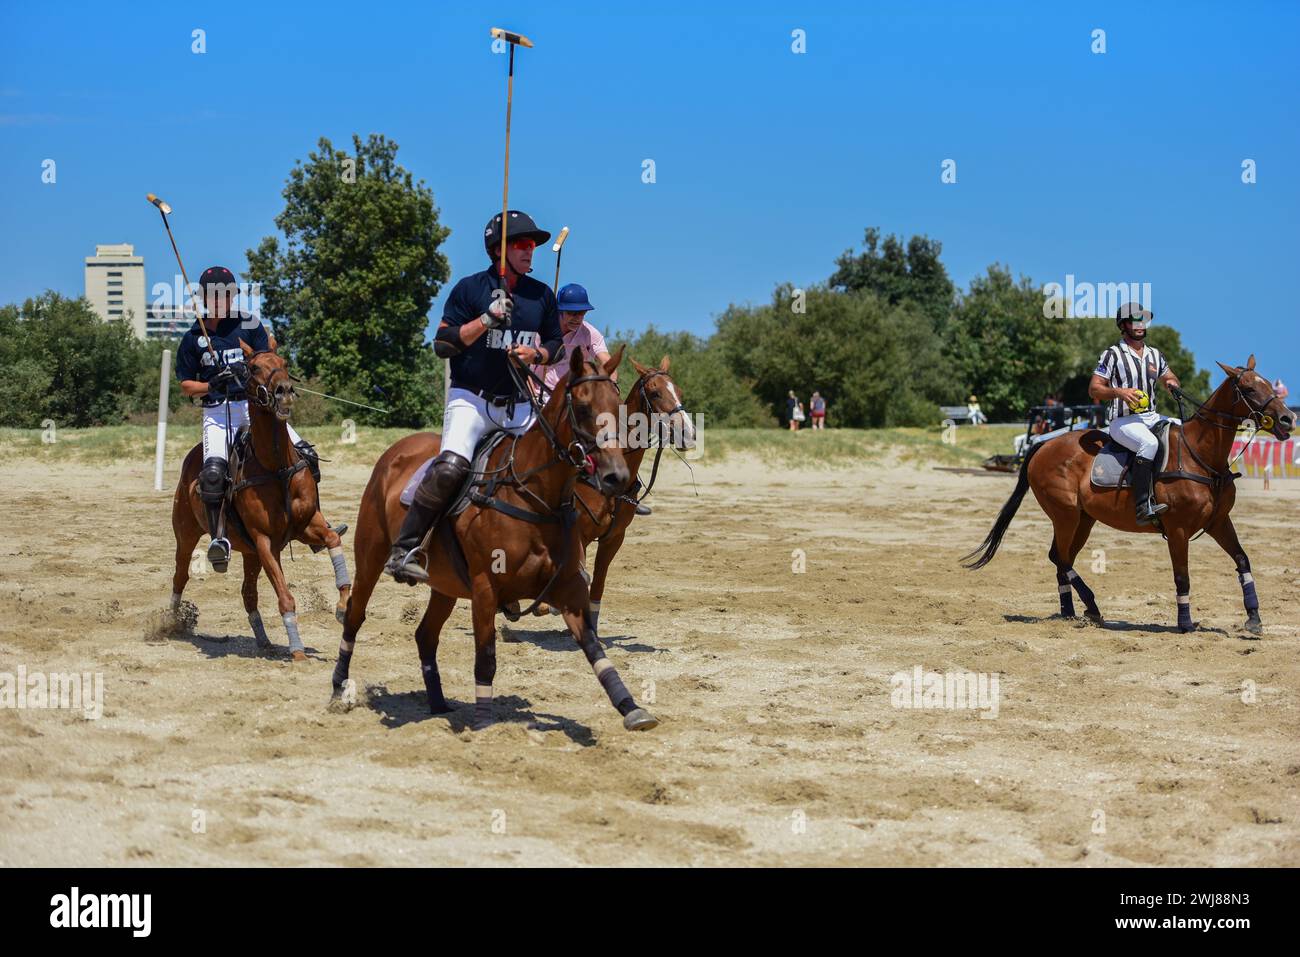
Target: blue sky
(1118, 167)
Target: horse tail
(989, 547)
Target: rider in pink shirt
(573, 306)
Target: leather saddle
(1110, 469)
(476, 476)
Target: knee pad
(448, 471)
(212, 480)
(443, 479)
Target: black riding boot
(212, 489)
(1142, 475)
(434, 494)
(307, 451)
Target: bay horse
(1200, 493)
(655, 398)
(515, 542)
(274, 501)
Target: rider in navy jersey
(482, 325)
(212, 366)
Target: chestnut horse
(656, 399)
(516, 542)
(274, 501)
(1199, 490)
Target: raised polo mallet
(163, 210)
(514, 39)
(558, 249)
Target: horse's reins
(1216, 479)
(564, 513)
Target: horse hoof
(1095, 617)
(639, 719)
(1254, 626)
(544, 609)
(1186, 629)
(300, 656)
(340, 613)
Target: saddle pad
(1110, 469)
(485, 448)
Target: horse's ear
(1233, 373)
(663, 364)
(640, 369)
(615, 359)
(576, 363)
(273, 345)
(249, 351)
(1250, 363)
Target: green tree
(1003, 348)
(899, 274)
(348, 293)
(876, 364)
(708, 385)
(63, 362)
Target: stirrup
(1151, 516)
(409, 570)
(219, 554)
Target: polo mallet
(163, 210)
(558, 249)
(514, 39)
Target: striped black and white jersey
(1122, 368)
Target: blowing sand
(1129, 744)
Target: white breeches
(216, 440)
(1134, 433)
(469, 417)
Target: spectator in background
(973, 412)
(790, 403)
(818, 408)
(798, 416)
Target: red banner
(1266, 452)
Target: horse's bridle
(262, 396)
(1260, 416)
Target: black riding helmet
(1133, 312)
(216, 276)
(519, 226)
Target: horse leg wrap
(259, 629)
(291, 626)
(344, 664)
(482, 705)
(175, 602)
(595, 616)
(1067, 596)
(341, 579)
(1248, 592)
(1085, 593)
(433, 686)
(607, 674)
(1185, 611)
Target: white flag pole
(164, 389)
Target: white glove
(498, 314)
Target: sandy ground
(780, 744)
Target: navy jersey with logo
(194, 359)
(535, 322)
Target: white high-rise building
(115, 285)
